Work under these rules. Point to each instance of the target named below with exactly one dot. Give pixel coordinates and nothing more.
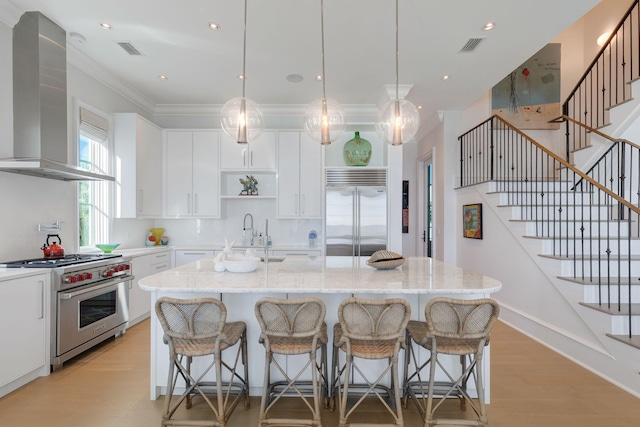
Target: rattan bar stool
(369, 329)
(293, 327)
(453, 327)
(196, 328)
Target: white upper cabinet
(299, 176)
(257, 155)
(138, 148)
(192, 184)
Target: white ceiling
(283, 37)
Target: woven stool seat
(419, 333)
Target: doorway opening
(425, 244)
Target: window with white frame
(95, 202)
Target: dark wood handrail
(597, 132)
(560, 160)
(604, 48)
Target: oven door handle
(70, 295)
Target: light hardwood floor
(531, 386)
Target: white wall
(409, 173)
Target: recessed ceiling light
(419, 107)
(163, 77)
(77, 37)
(213, 26)
(489, 26)
(295, 78)
(105, 25)
(318, 77)
(241, 77)
(446, 77)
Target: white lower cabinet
(24, 328)
(186, 256)
(139, 300)
(291, 252)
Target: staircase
(602, 258)
(588, 233)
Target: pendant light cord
(324, 94)
(397, 68)
(244, 49)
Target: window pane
(94, 197)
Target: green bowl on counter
(107, 248)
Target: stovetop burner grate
(58, 262)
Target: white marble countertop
(302, 274)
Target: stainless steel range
(89, 301)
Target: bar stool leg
(264, 401)
(345, 392)
(245, 358)
(169, 393)
(396, 391)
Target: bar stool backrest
(374, 320)
(297, 318)
(191, 319)
(461, 319)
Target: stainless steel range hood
(40, 103)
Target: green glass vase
(357, 151)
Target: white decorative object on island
(332, 279)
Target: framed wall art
(472, 221)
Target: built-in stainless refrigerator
(356, 212)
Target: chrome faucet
(245, 229)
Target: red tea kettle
(53, 250)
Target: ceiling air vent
(129, 48)
(471, 45)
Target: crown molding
(9, 13)
(85, 64)
(358, 114)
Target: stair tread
(563, 205)
(547, 191)
(571, 220)
(613, 310)
(571, 257)
(611, 238)
(613, 281)
(634, 341)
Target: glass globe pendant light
(324, 119)
(241, 118)
(398, 120)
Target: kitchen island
(330, 278)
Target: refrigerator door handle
(357, 222)
(354, 222)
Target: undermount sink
(273, 258)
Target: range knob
(88, 275)
(108, 273)
(70, 279)
(80, 277)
